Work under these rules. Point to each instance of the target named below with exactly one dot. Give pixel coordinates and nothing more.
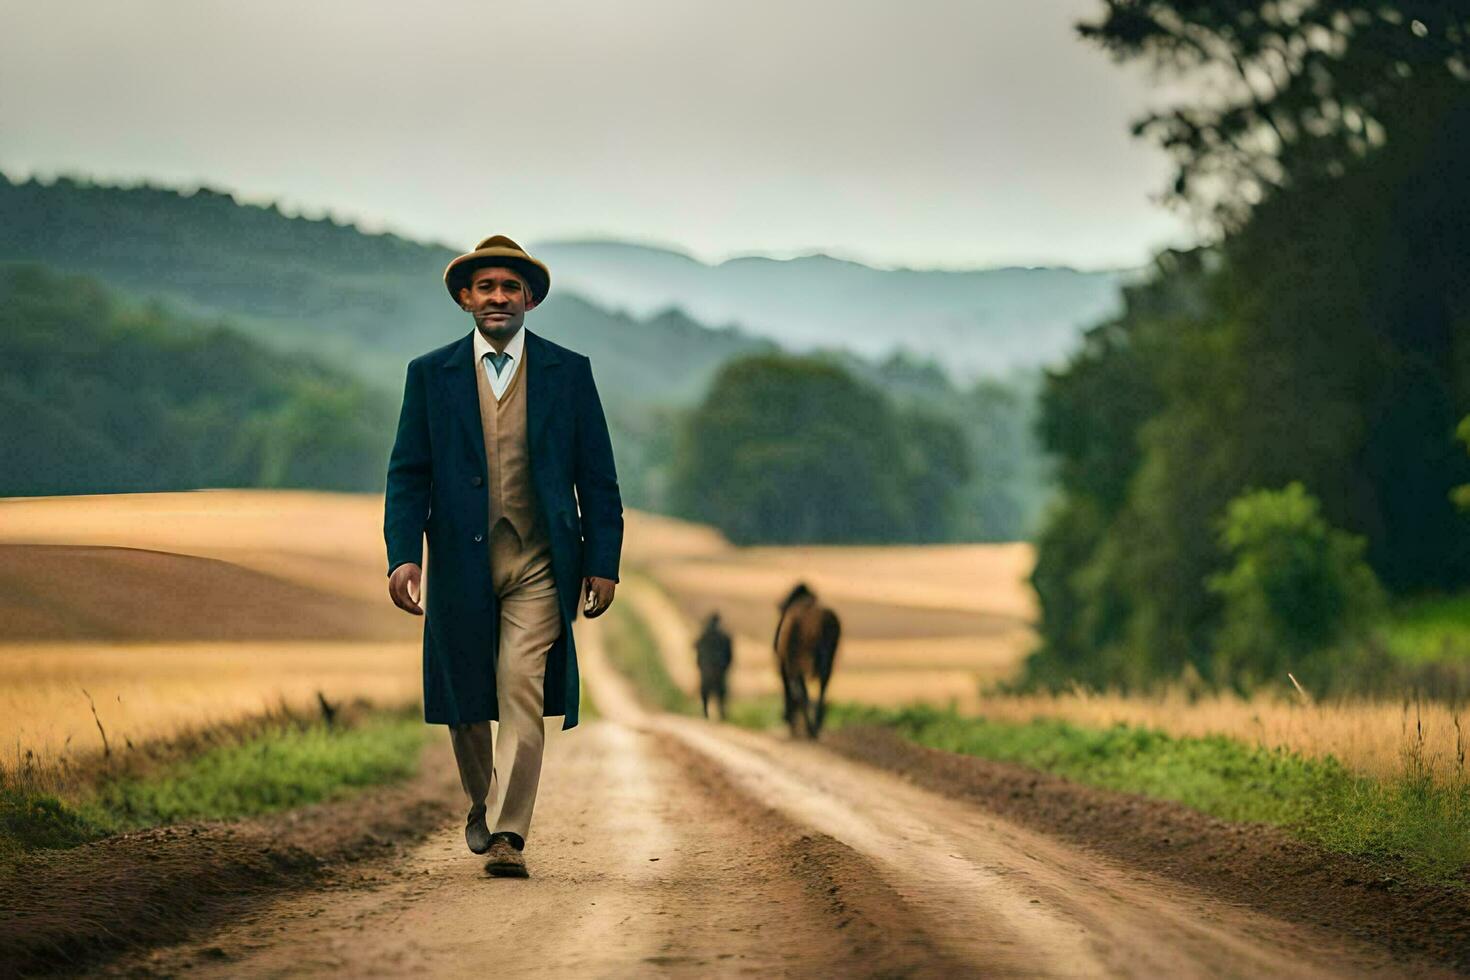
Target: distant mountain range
(976, 322)
(376, 297)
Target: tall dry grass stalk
(1374, 737)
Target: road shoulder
(1256, 866)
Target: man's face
(498, 298)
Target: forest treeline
(1322, 344)
(100, 395)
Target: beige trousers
(500, 771)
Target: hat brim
(537, 276)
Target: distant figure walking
(714, 653)
(806, 647)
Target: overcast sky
(922, 133)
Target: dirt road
(668, 845)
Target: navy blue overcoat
(437, 488)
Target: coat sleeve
(410, 476)
(596, 480)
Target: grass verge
(633, 651)
(1414, 824)
(282, 763)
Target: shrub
(1297, 590)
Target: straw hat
(498, 250)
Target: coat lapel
(464, 395)
(543, 365)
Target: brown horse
(806, 647)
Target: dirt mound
(1251, 864)
(65, 909)
(77, 592)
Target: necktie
(499, 361)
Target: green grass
(1411, 824)
(1434, 628)
(760, 713)
(31, 821)
(634, 654)
(273, 769)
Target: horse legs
(803, 703)
(788, 698)
(796, 701)
(826, 658)
(821, 705)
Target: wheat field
(168, 611)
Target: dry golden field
(931, 623)
(177, 610)
(1373, 737)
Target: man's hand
(403, 588)
(597, 595)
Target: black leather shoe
(476, 833)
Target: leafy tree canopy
(791, 450)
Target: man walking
(503, 461)
(713, 652)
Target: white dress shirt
(517, 351)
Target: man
(713, 653)
(497, 433)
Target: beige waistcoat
(508, 459)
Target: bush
(1297, 592)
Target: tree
(789, 449)
(1324, 339)
(146, 400)
(1296, 591)
(1282, 91)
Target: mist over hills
(316, 284)
(974, 322)
(365, 302)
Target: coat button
(479, 538)
(475, 481)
